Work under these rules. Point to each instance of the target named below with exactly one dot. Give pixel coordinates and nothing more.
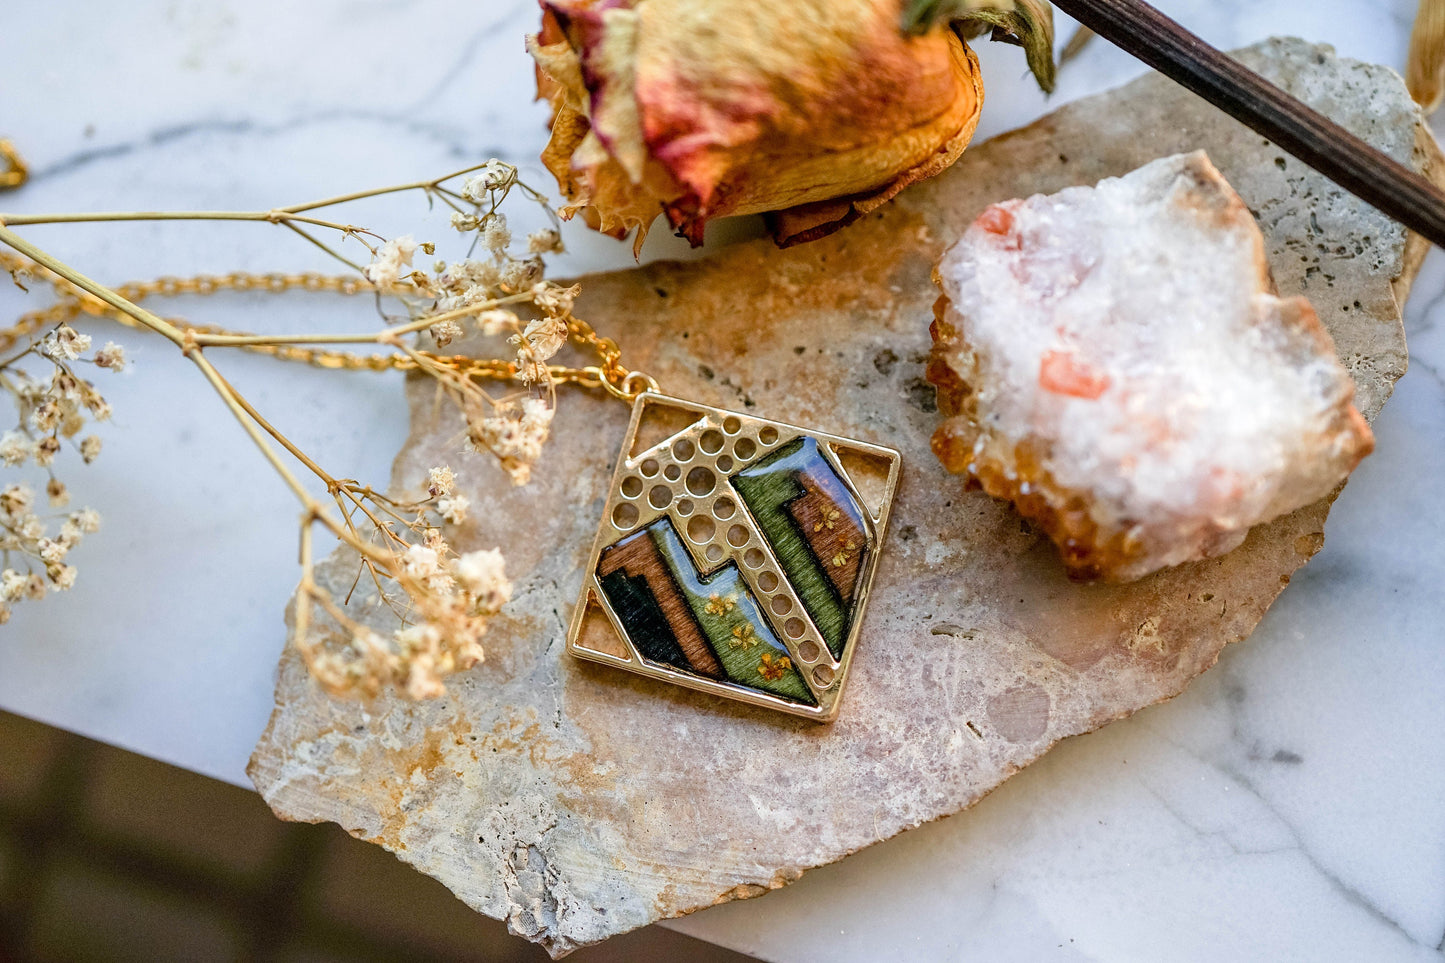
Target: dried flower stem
(94, 288)
(249, 418)
(445, 598)
(1425, 65)
(276, 215)
(273, 217)
(385, 336)
(378, 562)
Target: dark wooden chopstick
(1295, 128)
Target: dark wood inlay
(637, 557)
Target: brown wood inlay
(833, 533)
(639, 558)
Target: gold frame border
(829, 697)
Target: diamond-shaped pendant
(735, 555)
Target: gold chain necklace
(735, 554)
(609, 374)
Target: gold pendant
(735, 555)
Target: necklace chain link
(610, 374)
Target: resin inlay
(795, 496)
(637, 557)
(750, 652)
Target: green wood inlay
(768, 487)
(750, 653)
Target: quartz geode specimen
(1114, 361)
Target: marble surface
(1287, 806)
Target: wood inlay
(640, 615)
(833, 531)
(749, 651)
(768, 487)
(637, 557)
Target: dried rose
(814, 112)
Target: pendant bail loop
(637, 383)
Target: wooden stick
(1364, 171)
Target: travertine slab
(577, 801)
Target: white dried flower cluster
(538, 342)
(454, 508)
(90, 448)
(464, 592)
(474, 282)
(496, 321)
(496, 235)
(546, 241)
(385, 269)
(465, 295)
(16, 448)
(64, 344)
(449, 598)
(51, 412)
(444, 332)
(450, 504)
(440, 481)
(514, 431)
(469, 281)
(24, 533)
(485, 294)
(112, 356)
(554, 299)
(57, 410)
(494, 177)
(452, 599)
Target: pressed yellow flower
(718, 605)
(772, 669)
(743, 636)
(830, 518)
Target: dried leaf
(1027, 23)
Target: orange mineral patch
(996, 219)
(1064, 374)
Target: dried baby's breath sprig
(385, 269)
(515, 433)
(52, 404)
(441, 599)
